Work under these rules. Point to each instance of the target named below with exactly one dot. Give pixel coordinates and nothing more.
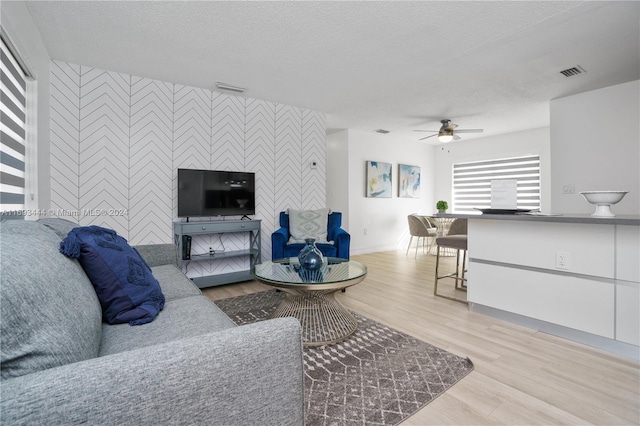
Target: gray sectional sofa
(61, 365)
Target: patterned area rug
(379, 376)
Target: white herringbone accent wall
(104, 163)
(288, 157)
(227, 132)
(150, 165)
(314, 150)
(117, 141)
(260, 141)
(191, 133)
(64, 132)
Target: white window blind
(12, 131)
(472, 182)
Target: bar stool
(456, 239)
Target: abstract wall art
(408, 181)
(378, 179)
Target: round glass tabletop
(335, 273)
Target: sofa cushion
(180, 318)
(158, 254)
(61, 227)
(50, 314)
(305, 224)
(174, 284)
(127, 289)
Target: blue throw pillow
(126, 288)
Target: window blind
(12, 131)
(472, 182)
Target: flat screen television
(215, 193)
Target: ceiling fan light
(445, 137)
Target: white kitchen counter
(573, 276)
(617, 220)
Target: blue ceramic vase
(310, 256)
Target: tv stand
(189, 229)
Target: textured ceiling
(367, 65)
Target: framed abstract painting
(408, 181)
(378, 179)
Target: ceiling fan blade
(469, 130)
(427, 137)
(434, 131)
(456, 137)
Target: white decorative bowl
(603, 201)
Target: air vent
(383, 131)
(225, 86)
(570, 72)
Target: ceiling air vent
(383, 131)
(570, 72)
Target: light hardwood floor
(521, 377)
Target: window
(472, 182)
(12, 129)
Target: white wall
(516, 144)
(595, 145)
(22, 31)
(338, 174)
(385, 219)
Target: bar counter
(618, 220)
(575, 276)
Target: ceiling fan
(446, 132)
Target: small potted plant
(442, 206)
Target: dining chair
(420, 227)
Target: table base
(323, 319)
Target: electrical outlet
(562, 260)
(569, 188)
(365, 231)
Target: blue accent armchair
(341, 239)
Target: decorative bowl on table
(603, 201)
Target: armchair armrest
(342, 241)
(251, 374)
(278, 240)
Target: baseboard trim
(614, 346)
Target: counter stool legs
(461, 283)
(458, 276)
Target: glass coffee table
(310, 297)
